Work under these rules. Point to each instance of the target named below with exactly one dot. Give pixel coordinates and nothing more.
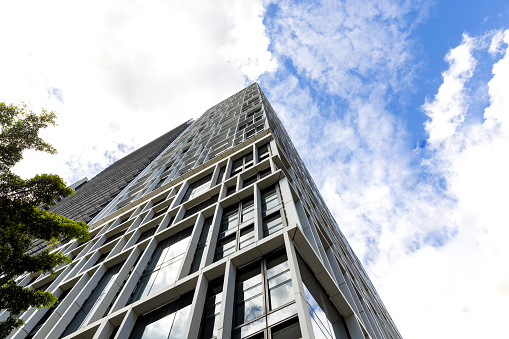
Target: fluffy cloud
(428, 223)
(120, 74)
(473, 161)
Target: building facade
(223, 235)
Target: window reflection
(325, 319)
(263, 295)
(212, 310)
(197, 187)
(269, 199)
(163, 268)
(202, 242)
(93, 301)
(236, 230)
(272, 224)
(168, 321)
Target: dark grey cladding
(93, 195)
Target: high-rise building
(223, 235)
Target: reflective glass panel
(247, 210)
(269, 200)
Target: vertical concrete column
(126, 292)
(180, 214)
(228, 169)
(133, 239)
(351, 321)
(98, 243)
(180, 195)
(197, 306)
(120, 244)
(255, 155)
(307, 228)
(127, 325)
(164, 222)
(215, 174)
(258, 218)
(88, 262)
(227, 302)
(354, 327)
(210, 249)
(239, 183)
(104, 331)
(306, 328)
(77, 297)
(110, 293)
(340, 280)
(191, 247)
(289, 204)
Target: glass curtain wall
(264, 296)
(163, 267)
(327, 322)
(93, 300)
(166, 322)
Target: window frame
(247, 162)
(267, 310)
(237, 231)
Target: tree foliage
(21, 221)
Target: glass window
(196, 188)
(166, 322)
(163, 268)
(250, 133)
(93, 300)
(212, 310)
(248, 181)
(325, 319)
(114, 237)
(230, 190)
(246, 237)
(230, 219)
(264, 172)
(252, 179)
(272, 224)
(249, 294)
(247, 210)
(263, 152)
(241, 164)
(264, 297)
(202, 205)
(279, 282)
(147, 234)
(225, 247)
(288, 330)
(269, 199)
(232, 237)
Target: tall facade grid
(223, 235)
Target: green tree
(21, 222)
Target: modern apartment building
(223, 235)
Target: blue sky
(399, 109)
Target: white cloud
(124, 72)
(339, 45)
(429, 225)
(450, 105)
(462, 286)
